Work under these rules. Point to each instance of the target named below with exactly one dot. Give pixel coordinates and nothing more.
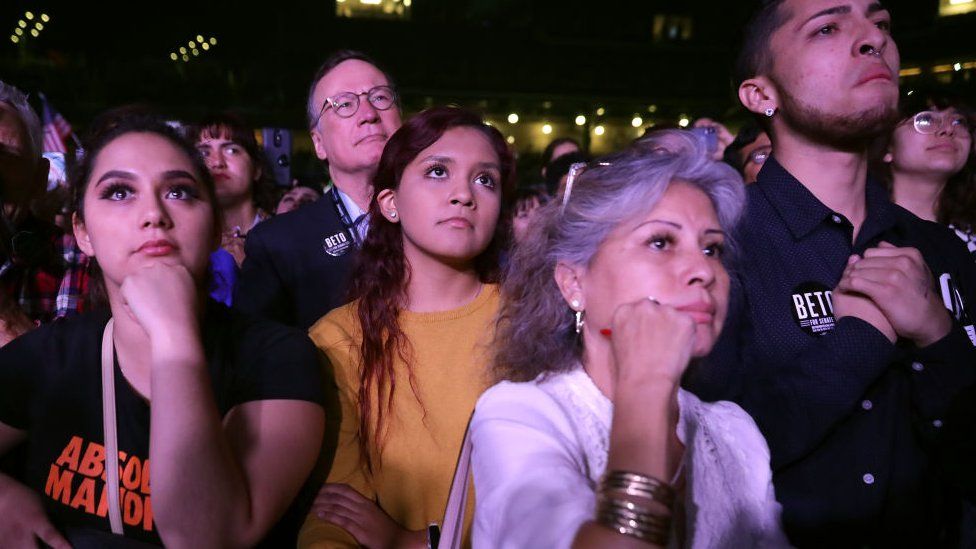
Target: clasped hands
(891, 288)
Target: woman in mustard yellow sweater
(409, 354)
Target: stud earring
(393, 214)
(575, 304)
(770, 112)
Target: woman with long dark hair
(927, 162)
(227, 408)
(409, 353)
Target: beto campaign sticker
(337, 244)
(813, 308)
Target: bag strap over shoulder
(452, 528)
(109, 427)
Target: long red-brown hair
(382, 274)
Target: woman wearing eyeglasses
(588, 440)
(409, 354)
(927, 163)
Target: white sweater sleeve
(530, 477)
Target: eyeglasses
(759, 156)
(346, 104)
(931, 122)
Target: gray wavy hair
(18, 100)
(535, 331)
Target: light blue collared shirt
(360, 218)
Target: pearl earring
(393, 214)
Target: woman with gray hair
(587, 441)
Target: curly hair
(535, 332)
(382, 274)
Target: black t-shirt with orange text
(50, 386)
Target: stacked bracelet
(628, 518)
(634, 484)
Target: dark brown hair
(755, 57)
(957, 201)
(110, 126)
(232, 127)
(382, 274)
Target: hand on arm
(343, 506)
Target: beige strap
(452, 528)
(110, 429)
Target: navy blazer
(297, 265)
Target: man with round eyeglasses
(298, 264)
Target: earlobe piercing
(770, 112)
(393, 214)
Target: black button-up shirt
(852, 421)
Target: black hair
(551, 148)
(747, 135)
(559, 168)
(111, 128)
(957, 201)
(234, 128)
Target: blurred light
(29, 15)
(637, 122)
(547, 129)
(580, 120)
(34, 33)
(22, 24)
(199, 38)
(959, 2)
(213, 41)
(19, 31)
(195, 51)
(599, 130)
(205, 46)
(600, 111)
(513, 118)
(39, 26)
(488, 123)
(370, 2)
(652, 108)
(910, 71)
(407, 4)
(340, 1)
(45, 18)
(173, 56)
(684, 122)
(14, 39)
(186, 58)
(510, 139)
(183, 50)
(957, 67)
(192, 44)
(910, 92)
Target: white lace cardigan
(540, 448)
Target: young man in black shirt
(848, 336)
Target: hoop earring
(580, 321)
(770, 112)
